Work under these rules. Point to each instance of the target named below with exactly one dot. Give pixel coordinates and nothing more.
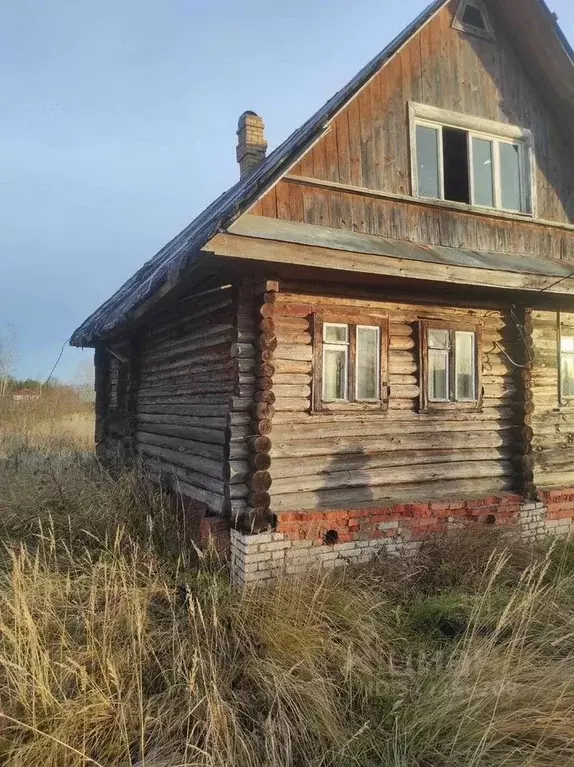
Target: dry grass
(120, 646)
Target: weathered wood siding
(349, 460)
(191, 417)
(368, 147)
(552, 423)
(115, 385)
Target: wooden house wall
(552, 423)
(189, 412)
(368, 148)
(348, 460)
(113, 386)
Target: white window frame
(462, 26)
(476, 127)
(378, 386)
(336, 346)
(452, 402)
(472, 333)
(446, 353)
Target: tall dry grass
(119, 645)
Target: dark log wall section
(194, 397)
(116, 384)
(333, 461)
(368, 147)
(552, 422)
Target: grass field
(120, 645)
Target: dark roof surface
(176, 254)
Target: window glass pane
(567, 344)
(510, 176)
(465, 366)
(368, 369)
(438, 339)
(335, 334)
(334, 374)
(438, 375)
(568, 375)
(427, 160)
(473, 17)
(455, 165)
(482, 169)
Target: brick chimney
(251, 144)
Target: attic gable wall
(368, 146)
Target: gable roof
(185, 247)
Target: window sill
(439, 407)
(479, 209)
(329, 408)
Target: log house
(370, 337)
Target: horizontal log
(434, 419)
(282, 468)
(184, 421)
(225, 386)
(209, 436)
(393, 476)
(302, 303)
(166, 469)
(288, 404)
(285, 325)
(188, 446)
(207, 335)
(201, 466)
(291, 390)
(285, 338)
(291, 352)
(217, 354)
(282, 365)
(292, 379)
(401, 441)
(186, 399)
(401, 343)
(375, 496)
(259, 444)
(208, 411)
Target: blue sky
(118, 127)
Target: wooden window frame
(563, 400)
(426, 404)
(354, 321)
(470, 29)
(489, 130)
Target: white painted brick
(301, 544)
(389, 525)
(276, 546)
(264, 556)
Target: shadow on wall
(347, 484)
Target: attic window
(472, 18)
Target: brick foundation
(329, 539)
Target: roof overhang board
(255, 238)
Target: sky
(118, 126)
